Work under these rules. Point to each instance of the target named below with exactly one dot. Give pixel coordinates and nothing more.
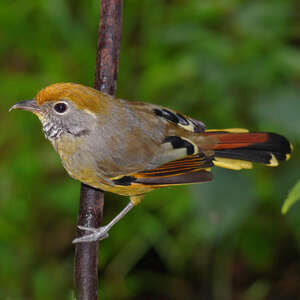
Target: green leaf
(292, 198)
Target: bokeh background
(230, 63)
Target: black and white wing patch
(173, 148)
(180, 120)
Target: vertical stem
(86, 254)
(109, 44)
(92, 200)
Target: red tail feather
(237, 140)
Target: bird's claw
(97, 234)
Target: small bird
(130, 148)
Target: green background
(229, 63)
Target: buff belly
(81, 169)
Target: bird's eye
(60, 107)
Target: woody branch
(92, 200)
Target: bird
(130, 148)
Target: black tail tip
(279, 146)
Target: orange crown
(82, 96)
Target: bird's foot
(101, 233)
(97, 234)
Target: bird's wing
(178, 119)
(191, 169)
(181, 155)
(179, 135)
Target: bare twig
(109, 43)
(86, 254)
(92, 200)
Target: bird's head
(66, 108)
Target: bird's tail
(237, 148)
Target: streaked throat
(51, 130)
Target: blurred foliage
(292, 198)
(230, 63)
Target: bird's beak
(29, 105)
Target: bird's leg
(101, 233)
